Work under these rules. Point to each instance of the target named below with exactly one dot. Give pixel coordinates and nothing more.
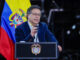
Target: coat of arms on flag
(17, 17)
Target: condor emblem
(35, 49)
(17, 18)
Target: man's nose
(38, 14)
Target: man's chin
(36, 22)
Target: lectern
(31, 50)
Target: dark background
(60, 23)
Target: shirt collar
(30, 25)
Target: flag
(13, 15)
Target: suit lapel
(27, 28)
(39, 33)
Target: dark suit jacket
(22, 33)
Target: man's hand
(34, 31)
(60, 48)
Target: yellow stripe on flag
(18, 4)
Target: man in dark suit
(33, 30)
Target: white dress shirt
(36, 34)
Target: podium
(31, 50)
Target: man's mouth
(36, 19)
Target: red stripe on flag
(6, 45)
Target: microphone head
(37, 26)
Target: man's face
(34, 17)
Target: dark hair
(32, 7)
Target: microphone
(37, 26)
(36, 34)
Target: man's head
(34, 14)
